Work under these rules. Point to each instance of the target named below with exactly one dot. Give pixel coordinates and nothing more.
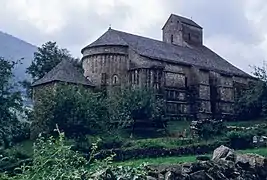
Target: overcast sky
(235, 29)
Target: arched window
(115, 79)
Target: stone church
(195, 81)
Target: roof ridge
(183, 19)
(149, 38)
(116, 32)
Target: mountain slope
(14, 49)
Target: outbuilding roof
(66, 71)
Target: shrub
(207, 128)
(157, 143)
(240, 139)
(128, 105)
(13, 133)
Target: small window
(136, 77)
(189, 36)
(172, 38)
(115, 79)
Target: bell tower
(182, 31)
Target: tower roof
(110, 37)
(183, 20)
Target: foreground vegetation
(54, 159)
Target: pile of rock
(225, 164)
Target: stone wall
(106, 65)
(38, 90)
(178, 33)
(187, 90)
(192, 35)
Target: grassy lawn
(178, 160)
(260, 151)
(178, 125)
(156, 161)
(25, 147)
(246, 123)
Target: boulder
(224, 153)
(169, 176)
(253, 160)
(150, 178)
(200, 175)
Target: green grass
(182, 159)
(156, 161)
(246, 123)
(166, 142)
(25, 147)
(260, 151)
(178, 126)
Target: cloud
(241, 55)
(234, 29)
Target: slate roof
(183, 20)
(65, 71)
(111, 38)
(199, 56)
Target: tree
(75, 109)
(252, 103)
(46, 58)
(10, 103)
(129, 105)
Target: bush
(240, 139)
(157, 143)
(207, 128)
(130, 105)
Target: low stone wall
(225, 164)
(127, 154)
